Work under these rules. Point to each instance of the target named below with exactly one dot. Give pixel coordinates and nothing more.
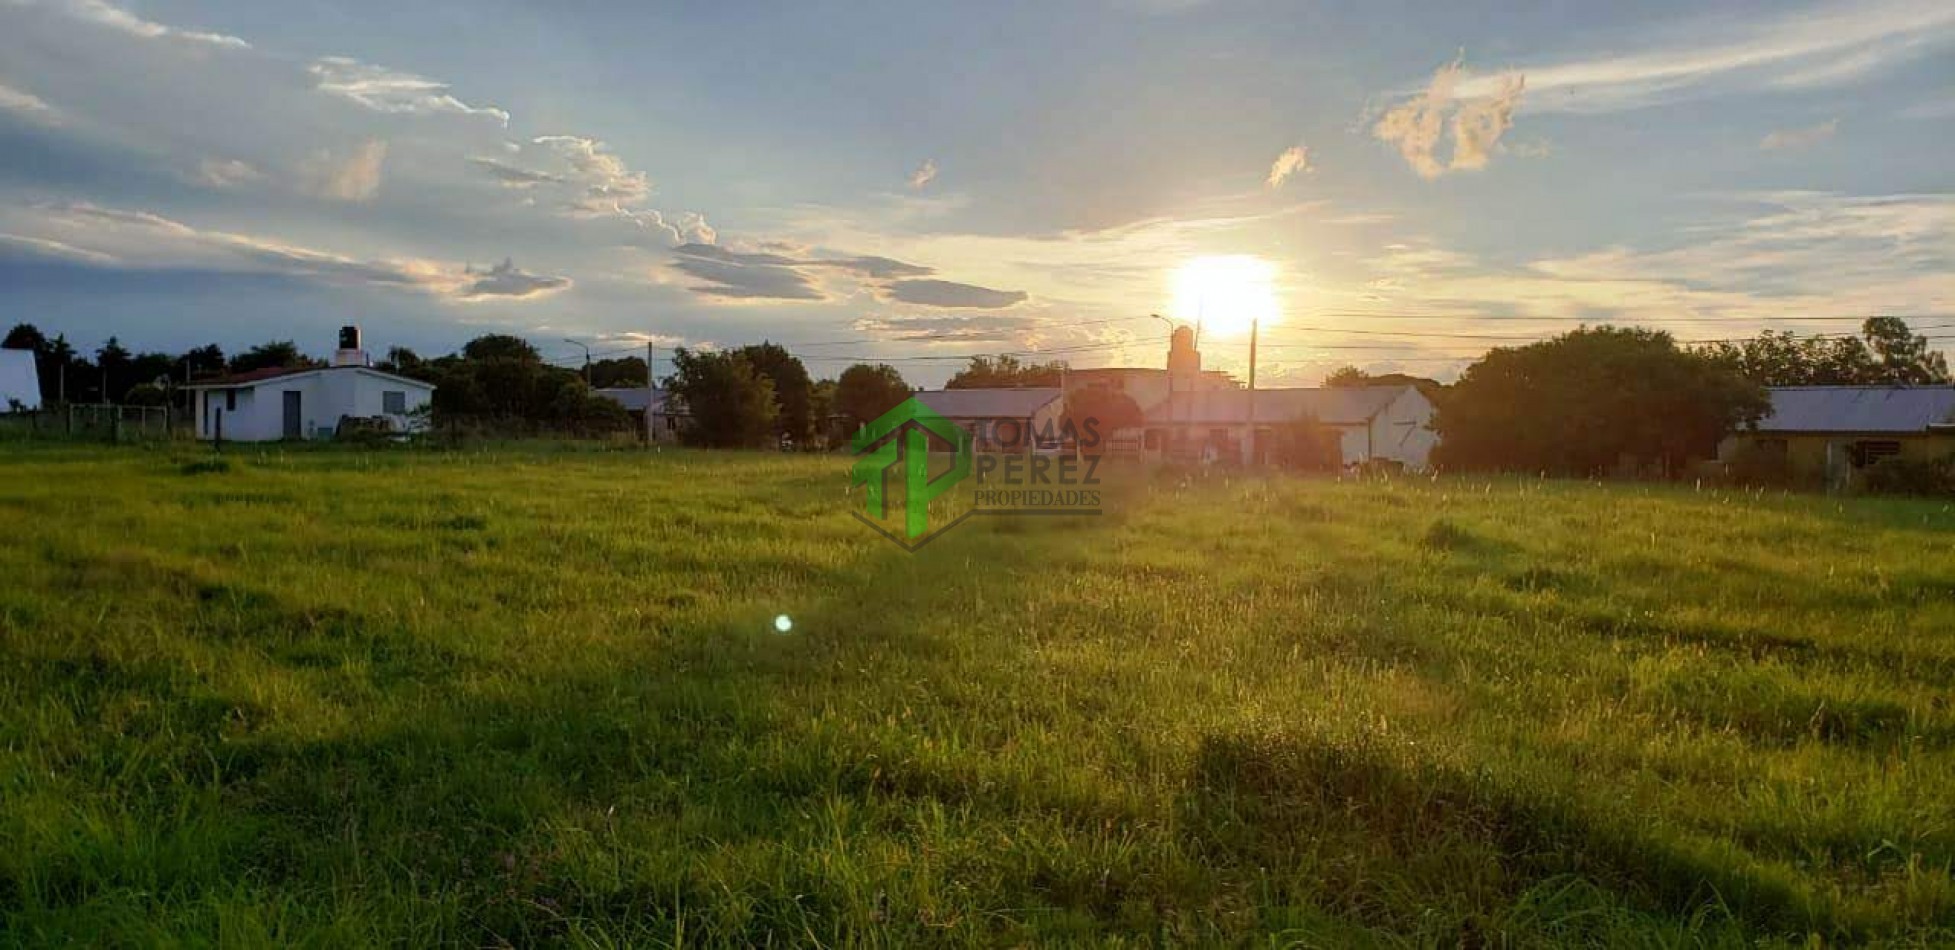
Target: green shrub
(1906, 476)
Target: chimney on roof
(350, 353)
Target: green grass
(530, 695)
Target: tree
(278, 354)
(865, 392)
(821, 409)
(1094, 415)
(112, 363)
(729, 403)
(627, 373)
(793, 393)
(25, 336)
(204, 361)
(1351, 377)
(1583, 402)
(1888, 353)
(1902, 357)
(402, 361)
(501, 346)
(1006, 372)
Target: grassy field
(525, 695)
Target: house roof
(988, 403)
(1859, 408)
(1353, 405)
(633, 398)
(20, 380)
(256, 376)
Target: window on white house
(393, 402)
(230, 400)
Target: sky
(914, 183)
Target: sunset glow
(1225, 293)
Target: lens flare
(783, 624)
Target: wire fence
(101, 422)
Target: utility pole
(587, 360)
(1255, 327)
(651, 394)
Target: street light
(587, 359)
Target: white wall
(1402, 432)
(323, 398)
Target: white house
(1002, 420)
(20, 383)
(309, 403)
(1373, 423)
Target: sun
(1224, 293)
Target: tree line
(1595, 400)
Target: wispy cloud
(508, 280)
(1294, 160)
(102, 13)
(26, 104)
(1819, 45)
(1800, 138)
(145, 240)
(347, 176)
(948, 293)
(514, 176)
(924, 174)
(227, 173)
(392, 91)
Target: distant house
(1831, 432)
(20, 381)
(1002, 420)
(1373, 423)
(308, 402)
(668, 414)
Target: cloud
(145, 240)
(515, 176)
(744, 276)
(1294, 159)
(1799, 138)
(607, 186)
(113, 17)
(228, 173)
(352, 177)
(693, 229)
(945, 293)
(506, 280)
(880, 268)
(944, 328)
(42, 247)
(1415, 126)
(26, 104)
(924, 174)
(1798, 254)
(1479, 123)
(386, 90)
(1800, 48)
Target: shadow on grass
(1462, 858)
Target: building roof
(256, 376)
(1859, 408)
(1341, 405)
(20, 380)
(633, 398)
(988, 403)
